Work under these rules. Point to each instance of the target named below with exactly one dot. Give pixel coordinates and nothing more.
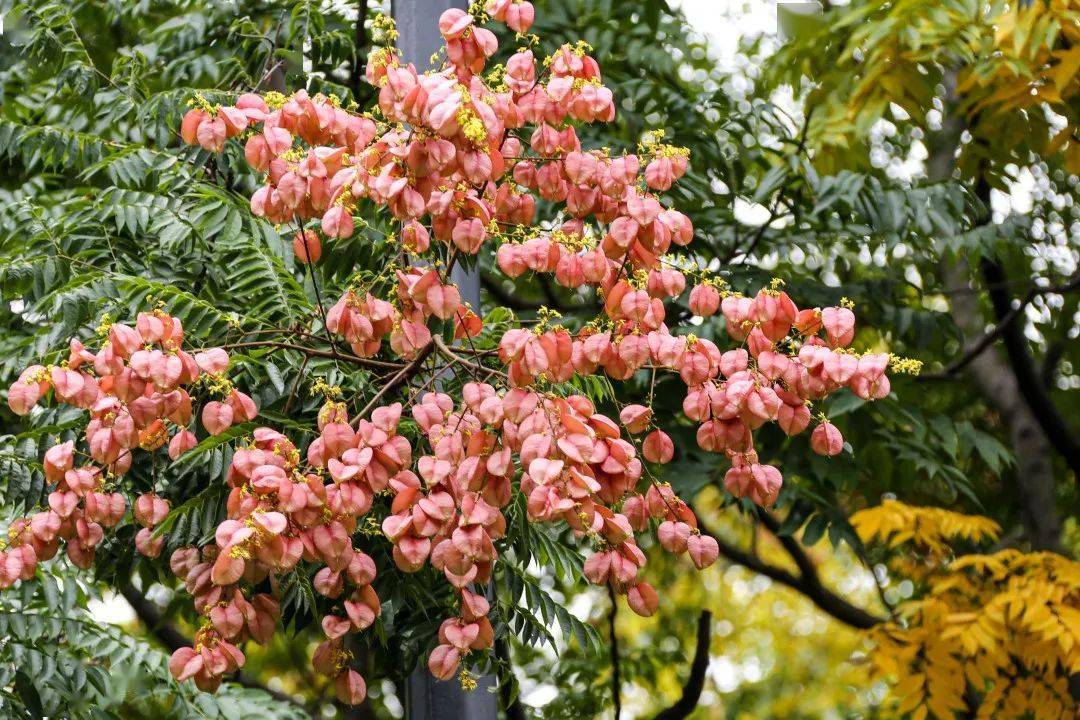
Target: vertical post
(427, 698)
(418, 39)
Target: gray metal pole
(428, 698)
(418, 25)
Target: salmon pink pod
(643, 600)
(658, 447)
(147, 544)
(869, 381)
(666, 283)
(189, 126)
(704, 300)
(839, 324)
(150, 510)
(827, 440)
(703, 550)
(760, 483)
(635, 418)
(517, 14)
(443, 661)
(415, 237)
(349, 687)
(210, 134)
(793, 419)
(453, 23)
(660, 174)
(307, 247)
(337, 222)
(185, 663)
(673, 536)
(217, 417)
(25, 392)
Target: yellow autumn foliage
(1007, 61)
(995, 634)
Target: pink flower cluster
(136, 391)
(281, 512)
(459, 160)
(576, 467)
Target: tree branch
(152, 618)
(403, 376)
(807, 582)
(696, 682)
(1034, 477)
(613, 645)
(1030, 384)
(511, 703)
(167, 634)
(1005, 321)
(1054, 352)
(315, 352)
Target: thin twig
(978, 347)
(315, 352)
(613, 644)
(404, 375)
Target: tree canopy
(923, 569)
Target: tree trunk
(993, 374)
(1034, 466)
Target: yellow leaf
(1058, 140)
(1063, 73)
(1072, 158)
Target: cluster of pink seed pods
(136, 391)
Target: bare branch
(691, 692)
(1005, 322)
(167, 634)
(403, 376)
(806, 582)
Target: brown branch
(151, 617)
(403, 376)
(445, 350)
(613, 646)
(1004, 324)
(167, 634)
(691, 692)
(806, 582)
(1056, 428)
(1054, 352)
(797, 552)
(315, 352)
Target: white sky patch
(111, 609)
(725, 23)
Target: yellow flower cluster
(471, 126)
(385, 29)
